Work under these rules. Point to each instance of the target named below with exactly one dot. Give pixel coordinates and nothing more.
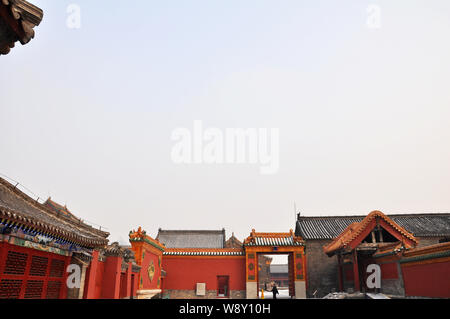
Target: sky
(360, 97)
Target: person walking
(275, 291)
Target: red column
(129, 292)
(340, 270)
(356, 270)
(111, 278)
(89, 287)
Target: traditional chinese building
(198, 264)
(276, 243)
(17, 20)
(38, 242)
(427, 229)
(356, 246)
(404, 269)
(148, 253)
(211, 270)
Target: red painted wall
(427, 280)
(94, 279)
(107, 282)
(389, 271)
(123, 285)
(99, 279)
(184, 273)
(134, 283)
(150, 257)
(111, 282)
(348, 272)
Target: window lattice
(53, 289)
(15, 263)
(10, 289)
(34, 289)
(38, 266)
(57, 268)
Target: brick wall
(190, 294)
(322, 271)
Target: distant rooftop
(329, 227)
(279, 269)
(192, 238)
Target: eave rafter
(17, 20)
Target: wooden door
(223, 286)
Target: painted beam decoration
(35, 240)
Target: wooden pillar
(380, 231)
(90, 287)
(374, 240)
(340, 270)
(128, 274)
(356, 271)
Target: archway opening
(275, 270)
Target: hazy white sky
(86, 115)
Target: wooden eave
(18, 18)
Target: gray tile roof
(329, 227)
(192, 238)
(17, 208)
(279, 269)
(275, 241)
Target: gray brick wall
(322, 271)
(210, 294)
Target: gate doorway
(223, 286)
(275, 244)
(276, 269)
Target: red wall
(389, 271)
(427, 280)
(148, 258)
(111, 282)
(107, 282)
(185, 272)
(99, 279)
(348, 272)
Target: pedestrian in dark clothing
(275, 291)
